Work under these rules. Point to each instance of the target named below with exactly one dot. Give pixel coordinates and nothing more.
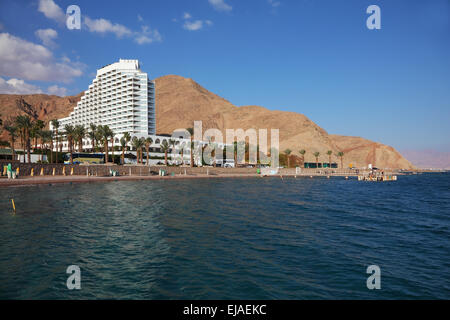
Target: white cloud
(51, 10)
(47, 36)
(220, 5)
(147, 35)
(57, 91)
(16, 86)
(274, 3)
(104, 26)
(26, 60)
(194, 25)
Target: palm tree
(46, 138)
(41, 136)
(127, 136)
(329, 153)
(287, 152)
(80, 133)
(165, 149)
(25, 124)
(51, 145)
(213, 147)
(141, 149)
(340, 154)
(12, 131)
(105, 134)
(137, 143)
(98, 139)
(69, 131)
(112, 147)
(235, 147)
(92, 134)
(55, 125)
(172, 143)
(302, 152)
(35, 131)
(148, 142)
(123, 144)
(191, 132)
(317, 154)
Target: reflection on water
(227, 239)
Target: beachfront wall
(104, 170)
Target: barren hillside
(180, 101)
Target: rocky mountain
(180, 101)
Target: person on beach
(9, 171)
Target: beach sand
(21, 181)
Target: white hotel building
(122, 97)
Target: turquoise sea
(228, 238)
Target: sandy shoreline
(23, 181)
(49, 180)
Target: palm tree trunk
(56, 156)
(51, 151)
(71, 151)
(12, 149)
(192, 155)
(147, 149)
(105, 145)
(42, 150)
(28, 148)
(123, 155)
(112, 149)
(165, 157)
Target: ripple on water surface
(228, 239)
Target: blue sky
(316, 57)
